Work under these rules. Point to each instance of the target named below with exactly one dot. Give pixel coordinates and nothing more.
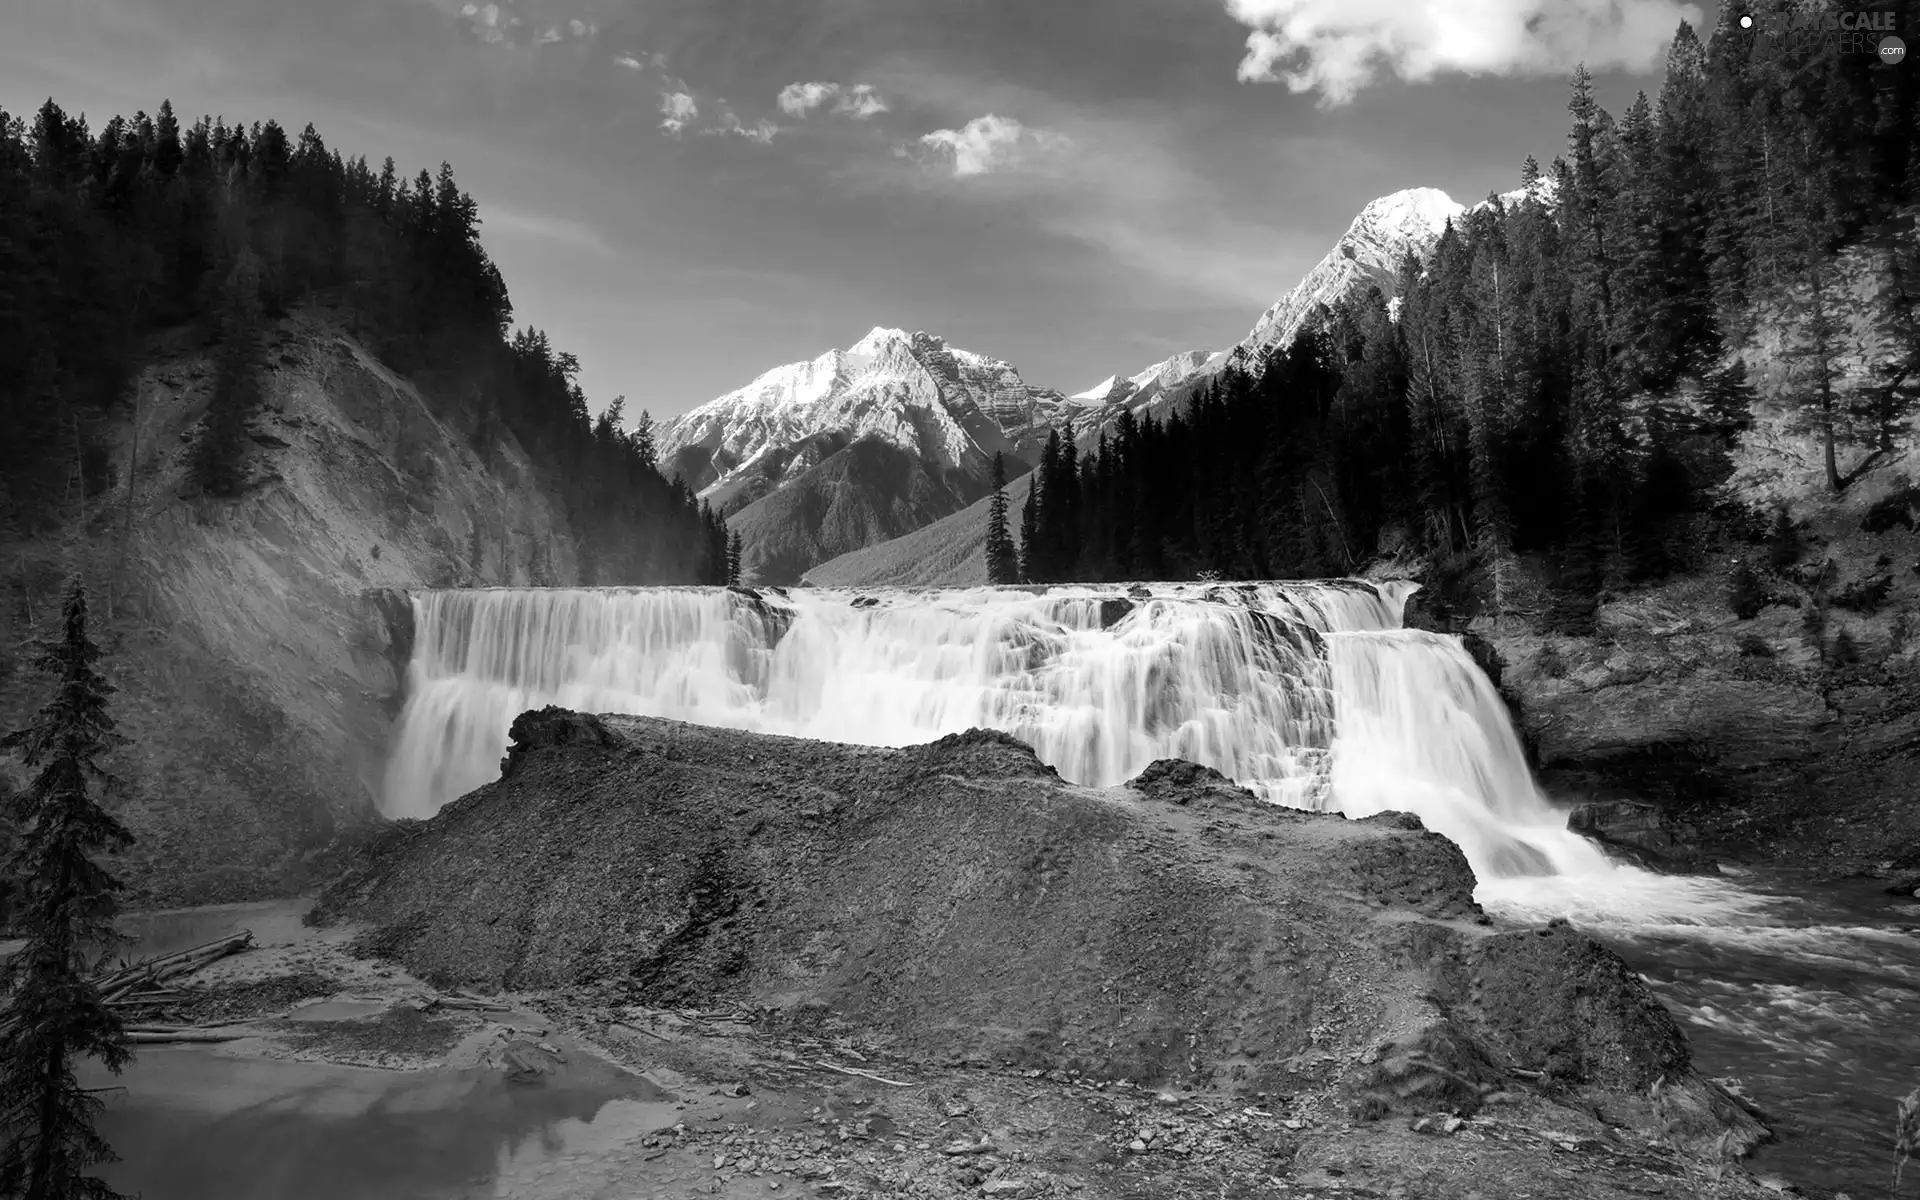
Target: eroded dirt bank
(1164, 989)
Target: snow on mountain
(952, 409)
(1370, 252)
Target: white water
(1310, 694)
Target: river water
(1804, 992)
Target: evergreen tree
(735, 548)
(1030, 530)
(218, 464)
(54, 1015)
(1003, 562)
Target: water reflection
(195, 1125)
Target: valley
(1457, 740)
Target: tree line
(147, 225)
(1561, 381)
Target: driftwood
(182, 1035)
(117, 986)
(151, 973)
(863, 1074)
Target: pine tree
(1030, 531)
(54, 1014)
(735, 549)
(218, 465)
(1003, 562)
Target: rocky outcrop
(259, 643)
(959, 899)
(1643, 834)
(1788, 732)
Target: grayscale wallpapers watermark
(1866, 31)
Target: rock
(1641, 834)
(1005, 1187)
(552, 727)
(1140, 591)
(674, 857)
(1908, 886)
(1113, 611)
(1735, 723)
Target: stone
(1641, 834)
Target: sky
(686, 193)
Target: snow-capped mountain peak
(952, 409)
(1370, 251)
(1100, 392)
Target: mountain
(1368, 253)
(952, 408)
(949, 552)
(867, 493)
(893, 432)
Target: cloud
(507, 23)
(858, 100)
(988, 143)
(761, 131)
(677, 111)
(1337, 47)
(629, 62)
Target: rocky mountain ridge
(951, 408)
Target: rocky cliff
(1769, 696)
(252, 640)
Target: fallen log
(150, 1038)
(163, 967)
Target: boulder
(1642, 834)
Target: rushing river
(1804, 991)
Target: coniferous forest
(110, 237)
(1562, 382)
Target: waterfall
(1310, 694)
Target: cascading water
(1310, 694)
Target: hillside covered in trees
(1559, 392)
(108, 238)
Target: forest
(109, 238)
(1560, 385)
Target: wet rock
(1555, 1001)
(1113, 610)
(1642, 834)
(1733, 723)
(1177, 781)
(1908, 886)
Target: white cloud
(629, 62)
(677, 111)
(989, 143)
(1337, 47)
(761, 131)
(858, 100)
(799, 99)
